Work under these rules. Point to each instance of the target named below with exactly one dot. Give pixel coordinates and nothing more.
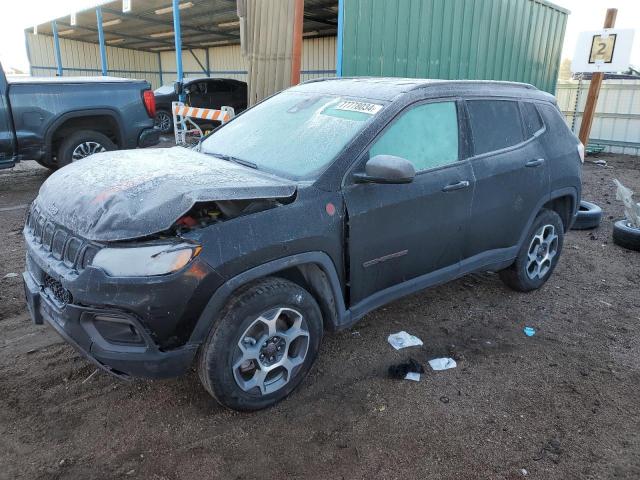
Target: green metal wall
(518, 40)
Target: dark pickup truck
(58, 120)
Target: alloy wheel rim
(163, 121)
(85, 149)
(271, 351)
(542, 250)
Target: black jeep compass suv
(299, 216)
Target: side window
(426, 135)
(197, 88)
(495, 124)
(532, 121)
(218, 87)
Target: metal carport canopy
(166, 25)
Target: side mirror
(387, 169)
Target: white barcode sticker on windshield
(362, 107)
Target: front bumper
(149, 137)
(77, 325)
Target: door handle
(535, 163)
(456, 186)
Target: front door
(399, 232)
(7, 138)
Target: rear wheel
(164, 121)
(82, 144)
(538, 255)
(262, 346)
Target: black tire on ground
(220, 352)
(589, 216)
(626, 236)
(91, 138)
(517, 276)
(164, 121)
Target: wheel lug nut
(272, 359)
(279, 348)
(262, 356)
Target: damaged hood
(129, 194)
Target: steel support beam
(103, 50)
(56, 46)
(178, 42)
(204, 69)
(160, 67)
(340, 39)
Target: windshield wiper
(237, 160)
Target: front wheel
(538, 255)
(262, 346)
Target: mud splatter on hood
(128, 194)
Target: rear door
(400, 232)
(7, 135)
(510, 169)
(219, 94)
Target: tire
(589, 216)
(95, 142)
(626, 236)
(163, 121)
(530, 272)
(226, 371)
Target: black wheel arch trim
(48, 138)
(571, 192)
(224, 292)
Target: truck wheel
(164, 121)
(589, 216)
(81, 144)
(626, 236)
(262, 346)
(538, 255)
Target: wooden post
(594, 87)
(296, 60)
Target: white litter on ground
(414, 376)
(10, 275)
(403, 340)
(442, 363)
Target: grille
(59, 242)
(57, 290)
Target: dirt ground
(563, 404)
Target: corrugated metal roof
(149, 26)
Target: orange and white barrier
(202, 113)
(186, 131)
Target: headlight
(144, 261)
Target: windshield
(295, 135)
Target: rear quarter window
(532, 121)
(495, 124)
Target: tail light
(581, 151)
(149, 102)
